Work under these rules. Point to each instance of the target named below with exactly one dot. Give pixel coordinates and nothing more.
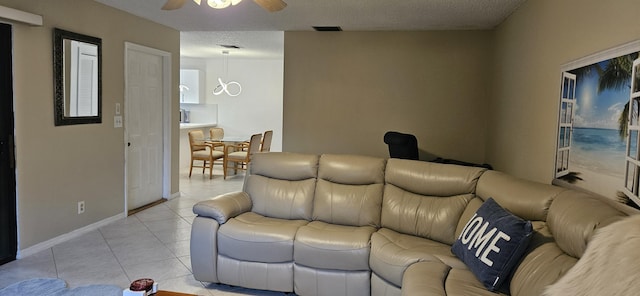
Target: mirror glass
(77, 78)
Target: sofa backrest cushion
(432, 179)
(609, 266)
(427, 199)
(432, 217)
(526, 199)
(573, 218)
(349, 190)
(557, 244)
(284, 165)
(351, 169)
(282, 185)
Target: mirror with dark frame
(77, 73)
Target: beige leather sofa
(357, 225)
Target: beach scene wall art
(596, 145)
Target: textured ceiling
(253, 44)
(351, 15)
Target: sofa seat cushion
(462, 282)
(393, 252)
(253, 237)
(329, 246)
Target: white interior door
(144, 127)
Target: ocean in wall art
(598, 150)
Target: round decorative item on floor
(141, 285)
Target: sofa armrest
(425, 278)
(224, 207)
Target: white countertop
(197, 125)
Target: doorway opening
(8, 224)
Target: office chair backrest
(401, 145)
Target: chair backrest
(401, 145)
(196, 140)
(266, 141)
(216, 133)
(254, 144)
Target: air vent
(327, 29)
(229, 46)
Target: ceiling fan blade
(173, 4)
(271, 5)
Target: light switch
(117, 108)
(117, 121)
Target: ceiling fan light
(197, 1)
(271, 5)
(219, 4)
(235, 2)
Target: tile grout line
(164, 244)
(55, 264)
(124, 271)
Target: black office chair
(401, 145)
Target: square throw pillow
(492, 243)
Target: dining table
(226, 141)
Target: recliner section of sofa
(358, 225)
(422, 207)
(332, 252)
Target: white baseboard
(174, 195)
(65, 237)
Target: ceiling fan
(269, 5)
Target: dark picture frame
(60, 78)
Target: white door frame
(166, 117)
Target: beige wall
(481, 96)
(530, 48)
(344, 90)
(59, 166)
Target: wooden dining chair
(266, 141)
(239, 156)
(216, 133)
(201, 151)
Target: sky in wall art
(598, 137)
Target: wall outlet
(117, 121)
(81, 207)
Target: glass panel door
(565, 123)
(632, 175)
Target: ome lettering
(475, 235)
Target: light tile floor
(153, 243)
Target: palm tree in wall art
(616, 75)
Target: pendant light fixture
(231, 88)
